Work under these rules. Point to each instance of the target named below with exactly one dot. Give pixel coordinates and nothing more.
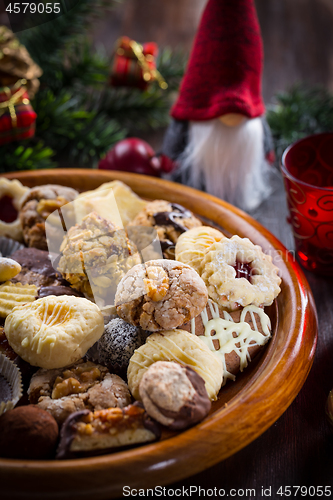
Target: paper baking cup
(12, 376)
(9, 246)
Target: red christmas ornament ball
(136, 155)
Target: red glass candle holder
(307, 168)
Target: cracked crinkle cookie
(84, 385)
(160, 294)
(238, 273)
(183, 348)
(169, 219)
(36, 206)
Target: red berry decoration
(136, 155)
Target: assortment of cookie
(122, 318)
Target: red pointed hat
(224, 71)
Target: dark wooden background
(297, 34)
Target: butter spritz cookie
(53, 332)
(192, 245)
(238, 273)
(183, 348)
(11, 196)
(160, 294)
(15, 294)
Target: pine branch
(138, 110)
(74, 132)
(171, 64)
(299, 112)
(45, 40)
(26, 155)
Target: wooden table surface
(298, 449)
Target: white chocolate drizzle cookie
(225, 336)
(160, 294)
(192, 245)
(53, 332)
(183, 348)
(11, 193)
(238, 273)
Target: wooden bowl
(245, 408)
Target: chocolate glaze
(67, 434)
(149, 423)
(37, 261)
(37, 268)
(168, 218)
(45, 291)
(195, 409)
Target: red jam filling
(243, 270)
(8, 212)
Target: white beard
(228, 161)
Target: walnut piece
(157, 283)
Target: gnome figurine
(218, 135)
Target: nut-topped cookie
(95, 256)
(77, 387)
(169, 219)
(37, 205)
(160, 294)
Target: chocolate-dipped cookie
(174, 395)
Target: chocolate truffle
(28, 432)
(174, 395)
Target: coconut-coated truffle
(117, 345)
